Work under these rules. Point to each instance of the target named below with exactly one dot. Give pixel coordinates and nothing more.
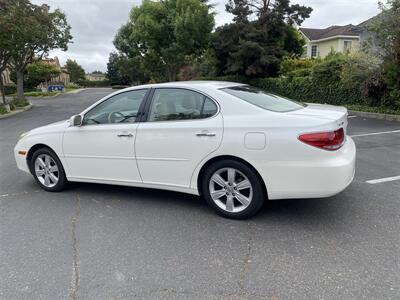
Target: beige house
(320, 42)
(95, 76)
(6, 77)
(63, 77)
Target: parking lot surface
(111, 242)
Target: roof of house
(319, 34)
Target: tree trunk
(20, 84)
(2, 91)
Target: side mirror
(75, 120)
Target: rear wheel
(48, 170)
(233, 189)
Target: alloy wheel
(46, 170)
(230, 190)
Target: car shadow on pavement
(318, 211)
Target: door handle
(205, 133)
(124, 134)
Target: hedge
(302, 89)
(307, 90)
(88, 83)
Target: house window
(314, 50)
(347, 46)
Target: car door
(102, 149)
(182, 127)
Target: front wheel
(233, 189)
(48, 170)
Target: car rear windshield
(263, 99)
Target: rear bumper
(317, 179)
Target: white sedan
(232, 143)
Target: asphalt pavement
(110, 242)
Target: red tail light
(329, 140)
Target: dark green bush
(19, 103)
(10, 89)
(88, 83)
(3, 110)
(118, 87)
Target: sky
(95, 22)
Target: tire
(233, 189)
(45, 167)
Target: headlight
(23, 134)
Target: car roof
(196, 84)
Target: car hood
(51, 128)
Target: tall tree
(387, 37)
(7, 29)
(162, 33)
(260, 36)
(75, 70)
(39, 31)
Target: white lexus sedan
(232, 143)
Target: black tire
(258, 191)
(62, 179)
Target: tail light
(328, 140)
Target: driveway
(110, 242)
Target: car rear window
(263, 99)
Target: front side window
(263, 99)
(180, 104)
(121, 108)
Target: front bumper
(21, 160)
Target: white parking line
(350, 117)
(376, 133)
(375, 181)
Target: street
(97, 241)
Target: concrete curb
(17, 111)
(373, 115)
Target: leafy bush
(293, 63)
(19, 103)
(118, 87)
(10, 89)
(3, 110)
(88, 83)
(72, 86)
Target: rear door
(182, 127)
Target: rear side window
(263, 99)
(180, 104)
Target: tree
(387, 37)
(39, 72)
(262, 34)
(160, 34)
(76, 72)
(7, 29)
(39, 31)
(122, 70)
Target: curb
(17, 111)
(373, 115)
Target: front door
(103, 148)
(182, 128)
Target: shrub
(10, 89)
(19, 103)
(3, 110)
(118, 87)
(88, 83)
(293, 63)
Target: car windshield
(263, 99)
